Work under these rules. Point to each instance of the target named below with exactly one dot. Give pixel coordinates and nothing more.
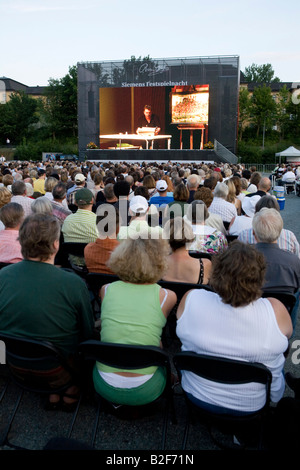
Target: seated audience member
(47, 303)
(108, 195)
(7, 180)
(42, 205)
(283, 267)
(161, 199)
(79, 183)
(207, 239)
(242, 222)
(178, 207)
(226, 210)
(287, 240)
(232, 196)
(19, 195)
(134, 311)
(39, 183)
(253, 183)
(50, 183)
(97, 253)
(235, 328)
(80, 227)
(5, 198)
(139, 223)
(122, 190)
(192, 183)
(11, 215)
(59, 203)
(263, 187)
(181, 266)
(205, 194)
(210, 182)
(150, 183)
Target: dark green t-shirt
(41, 301)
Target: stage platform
(159, 155)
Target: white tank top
(251, 333)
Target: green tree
(263, 109)
(136, 68)
(283, 117)
(17, 117)
(244, 110)
(60, 107)
(260, 74)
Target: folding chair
(231, 238)
(35, 356)
(180, 288)
(226, 371)
(288, 299)
(94, 282)
(200, 254)
(130, 357)
(290, 185)
(74, 249)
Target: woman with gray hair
(207, 239)
(42, 205)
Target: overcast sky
(42, 39)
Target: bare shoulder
(181, 305)
(282, 316)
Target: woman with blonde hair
(134, 310)
(231, 197)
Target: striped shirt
(80, 227)
(287, 240)
(226, 210)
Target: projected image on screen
(189, 105)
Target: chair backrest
(231, 238)
(3, 265)
(226, 224)
(28, 359)
(124, 356)
(180, 288)
(96, 280)
(288, 299)
(74, 248)
(223, 370)
(200, 254)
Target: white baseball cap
(161, 185)
(138, 205)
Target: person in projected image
(149, 119)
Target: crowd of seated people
(141, 222)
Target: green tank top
(131, 314)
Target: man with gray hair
(19, 195)
(192, 183)
(59, 205)
(226, 210)
(283, 267)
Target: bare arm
(282, 316)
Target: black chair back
(130, 357)
(224, 371)
(288, 299)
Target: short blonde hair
(5, 196)
(140, 261)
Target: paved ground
(33, 427)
